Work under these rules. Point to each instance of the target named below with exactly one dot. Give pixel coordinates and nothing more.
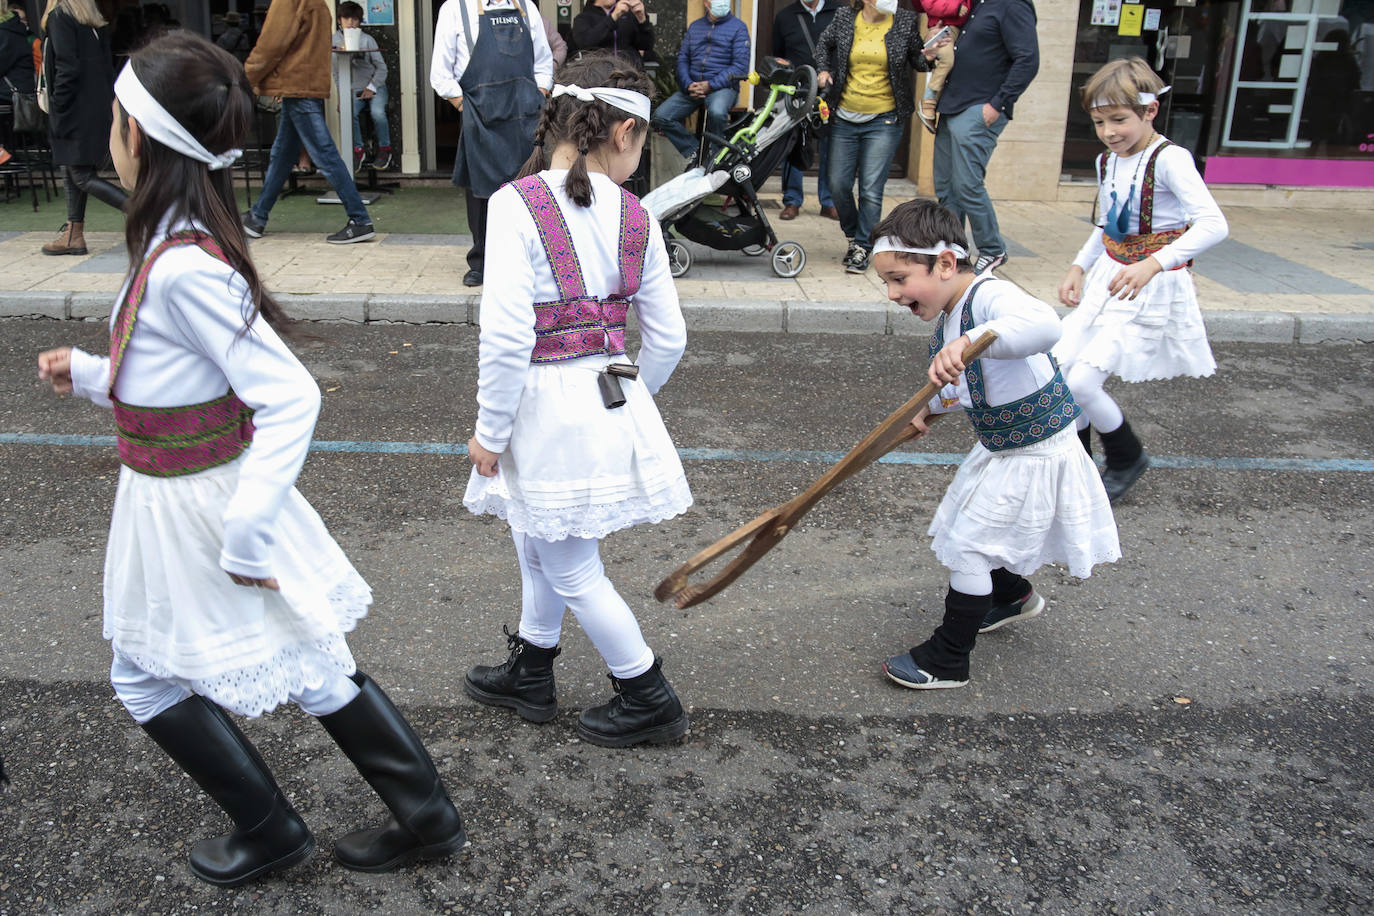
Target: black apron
(501, 101)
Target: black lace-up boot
(523, 682)
(268, 834)
(644, 708)
(1126, 460)
(373, 734)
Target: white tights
(568, 573)
(145, 696)
(1098, 407)
(971, 583)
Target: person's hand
(699, 89)
(637, 7)
(456, 102)
(921, 422)
(823, 79)
(990, 114)
(934, 51)
(1071, 289)
(269, 582)
(55, 367)
(482, 459)
(621, 7)
(366, 94)
(949, 362)
(545, 92)
(1132, 279)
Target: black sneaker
(353, 232)
(383, 160)
(252, 226)
(856, 260)
(1021, 609)
(989, 262)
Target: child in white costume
(222, 586)
(568, 253)
(1136, 313)
(1026, 495)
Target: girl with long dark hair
(568, 448)
(223, 589)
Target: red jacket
(946, 12)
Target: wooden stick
(770, 527)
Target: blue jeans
(792, 193)
(676, 107)
(376, 107)
(963, 146)
(862, 151)
(302, 123)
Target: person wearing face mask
(713, 58)
(864, 64)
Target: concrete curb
(795, 316)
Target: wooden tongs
(770, 527)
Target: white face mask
(721, 8)
(886, 7)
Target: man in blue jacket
(995, 59)
(713, 59)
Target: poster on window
(379, 12)
(1106, 12)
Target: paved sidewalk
(1283, 275)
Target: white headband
(161, 126)
(892, 243)
(1142, 98)
(636, 103)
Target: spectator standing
(493, 63)
(79, 72)
(367, 88)
(291, 61)
(937, 15)
(619, 26)
(713, 58)
(235, 39)
(16, 53)
(797, 29)
(996, 57)
(558, 47)
(865, 60)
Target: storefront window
(1254, 81)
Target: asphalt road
(1185, 732)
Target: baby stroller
(735, 169)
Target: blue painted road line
(1178, 462)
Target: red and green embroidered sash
(172, 441)
(576, 324)
(1138, 247)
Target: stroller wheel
(679, 258)
(788, 259)
(753, 251)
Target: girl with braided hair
(569, 446)
(223, 589)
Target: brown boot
(70, 241)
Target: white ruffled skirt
(172, 611)
(574, 468)
(1022, 508)
(1159, 334)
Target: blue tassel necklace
(1118, 223)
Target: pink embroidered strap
(122, 331)
(634, 242)
(553, 232)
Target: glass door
(1271, 72)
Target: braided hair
(586, 125)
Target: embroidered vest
(172, 441)
(1146, 242)
(1035, 417)
(576, 324)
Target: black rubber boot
(946, 653)
(268, 834)
(1085, 435)
(523, 682)
(1126, 460)
(373, 734)
(644, 708)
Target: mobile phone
(935, 39)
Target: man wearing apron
(491, 62)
